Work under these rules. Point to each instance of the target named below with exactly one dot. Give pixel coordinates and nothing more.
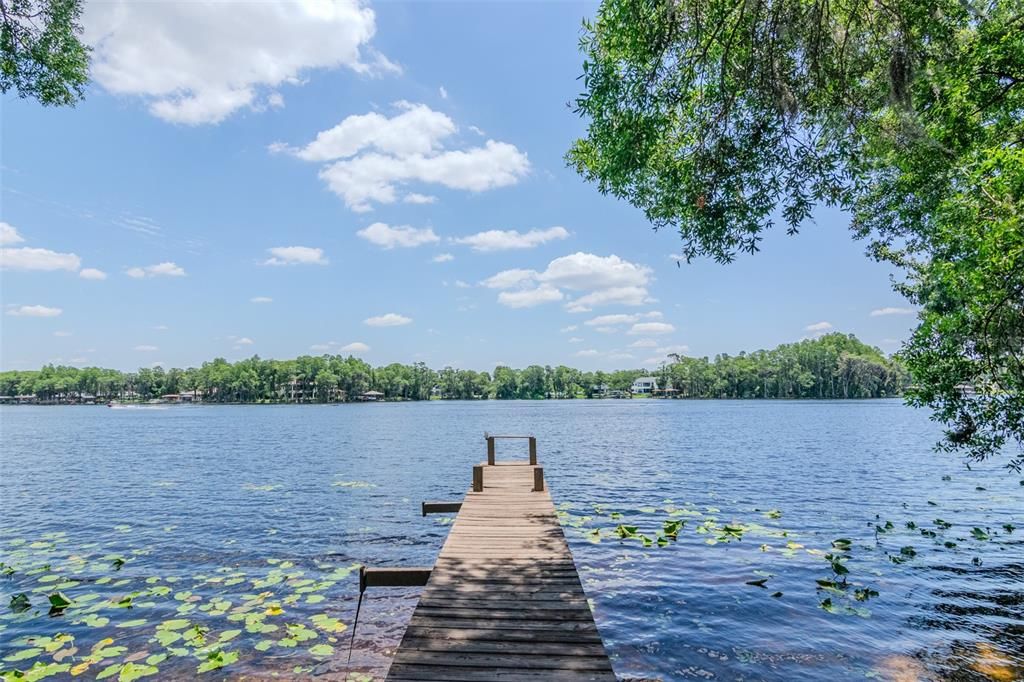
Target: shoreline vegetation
(833, 366)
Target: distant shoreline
(833, 366)
(441, 400)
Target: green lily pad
(322, 650)
(23, 655)
(132, 623)
(59, 600)
(217, 659)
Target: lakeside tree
(833, 366)
(41, 53)
(719, 117)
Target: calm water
(238, 528)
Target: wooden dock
(504, 600)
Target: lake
(820, 540)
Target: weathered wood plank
(504, 600)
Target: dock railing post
(490, 450)
(538, 479)
(478, 478)
(533, 450)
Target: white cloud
(607, 330)
(374, 177)
(819, 327)
(508, 279)
(575, 339)
(444, 93)
(197, 63)
(417, 130)
(62, 333)
(892, 311)
(462, 285)
(320, 347)
(505, 240)
(244, 341)
(651, 328)
(275, 100)
(388, 320)
(478, 131)
(261, 299)
(34, 311)
(27, 258)
(644, 343)
(146, 349)
(615, 296)
(9, 235)
(606, 320)
(355, 347)
(528, 298)
(161, 327)
(370, 155)
(443, 258)
(609, 280)
(166, 269)
(389, 237)
(676, 349)
(589, 353)
(570, 328)
(587, 272)
(295, 255)
(92, 273)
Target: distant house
(644, 386)
(371, 396)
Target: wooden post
(538, 479)
(533, 450)
(478, 478)
(490, 450)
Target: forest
(832, 366)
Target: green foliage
(833, 366)
(41, 55)
(717, 118)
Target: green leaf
(217, 659)
(133, 671)
(20, 602)
(132, 623)
(321, 650)
(59, 600)
(109, 671)
(23, 655)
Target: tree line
(832, 366)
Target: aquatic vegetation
(91, 619)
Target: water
(250, 519)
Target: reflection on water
(716, 540)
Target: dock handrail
(490, 438)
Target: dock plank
(504, 600)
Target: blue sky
(381, 179)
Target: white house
(644, 385)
